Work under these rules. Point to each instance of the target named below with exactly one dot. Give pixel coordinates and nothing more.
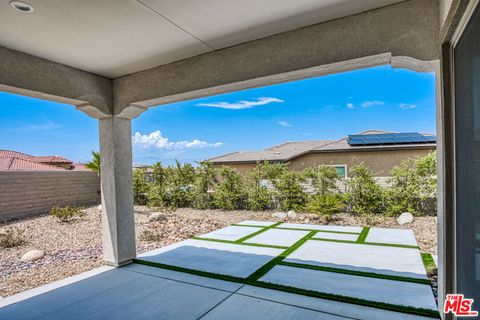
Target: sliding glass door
(467, 159)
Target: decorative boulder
(279, 215)
(405, 218)
(291, 214)
(99, 208)
(157, 216)
(32, 256)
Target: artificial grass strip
(272, 263)
(368, 243)
(355, 272)
(428, 261)
(363, 235)
(247, 225)
(241, 240)
(241, 244)
(368, 303)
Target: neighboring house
(379, 150)
(18, 161)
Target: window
(341, 170)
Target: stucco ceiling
(117, 37)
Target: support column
(118, 225)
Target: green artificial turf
(428, 262)
(363, 235)
(294, 229)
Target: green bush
(364, 195)
(11, 237)
(326, 204)
(179, 184)
(230, 193)
(204, 182)
(67, 213)
(140, 187)
(411, 184)
(290, 192)
(323, 178)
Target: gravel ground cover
(74, 247)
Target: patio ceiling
(114, 38)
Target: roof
(19, 161)
(289, 150)
(16, 164)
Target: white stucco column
(118, 225)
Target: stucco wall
(381, 162)
(25, 193)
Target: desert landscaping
(69, 248)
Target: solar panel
(389, 138)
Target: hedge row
(205, 187)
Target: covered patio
(113, 60)
(252, 270)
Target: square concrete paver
(391, 236)
(220, 258)
(231, 233)
(336, 236)
(278, 237)
(321, 227)
(371, 289)
(403, 262)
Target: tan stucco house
(379, 150)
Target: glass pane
(467, 157)
(341, 171)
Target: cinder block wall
(29, 193)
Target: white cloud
(372, 103)
(350, 106)
(284, 124)
(406, 106)
(156, 140)
(244, 104)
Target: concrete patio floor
(251, 270)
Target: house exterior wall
(381, 162)
(29, 193)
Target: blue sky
(327, 107)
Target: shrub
(364, 195)
(323, 178)
(204, 182)
(11, 237)
(67, 213)
(326, 204)
(150, 236)
(140, 187)
(289, 191)
(411, 184)
(180, 181)
(230, 193)
(259, 196)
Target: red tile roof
(16, 164)
(18, 161)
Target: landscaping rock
(279, 215)
(32, 255)
(99, 208)
(405, 218)
(291, 214)
(157, 216)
